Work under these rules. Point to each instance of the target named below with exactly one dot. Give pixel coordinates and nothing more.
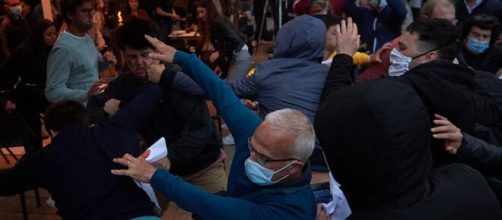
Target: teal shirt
(72, 68)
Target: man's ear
(433, 56)
(296, 167)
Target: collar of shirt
(471, 8)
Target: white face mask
(16, 10)
(399, 63)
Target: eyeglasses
(88, 11)
(261, 158)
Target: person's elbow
(52, 95)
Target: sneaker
(228, 140)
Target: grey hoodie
(295, 77)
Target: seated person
(270, 175)
(381, 156)
(479, 51)
(75, 167)
(195, 153)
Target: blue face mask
(261, 175)
(477, 46)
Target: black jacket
(480, 154)
(491, 85)
(450, 90)
(377, 141)
(226, 39)
(489, 61)
(492, 7)
(75, 167)
(182, 119)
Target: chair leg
(12, 153)
(23, 206)
(37, 197)
(4, 157)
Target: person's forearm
(200, 202)
(339, 75)
(479, 152)
(163, 13)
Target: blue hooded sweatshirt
(295, 77)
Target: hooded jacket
(295, 77)
(450, 90)
(380, 154)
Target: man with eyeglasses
(270, 174)
(74, 62)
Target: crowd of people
(395, 104)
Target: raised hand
(347, 38)
(163, 52)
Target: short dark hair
(64, 113)
(70, 7)
(436, 34)
(483, 21)
(329, 20)
(132, 34)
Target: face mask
(398, 63)
(16, 10)
(261, 175)
(477, 46)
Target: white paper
(338, 208)
(158, 150)
(149, 191)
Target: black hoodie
(376, 137)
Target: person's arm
(240, 120)
(197, 200)
(360, 58)
(210, 206)
(106, 60)
(392, 13)
(468, 149)
(480, 153)
(58, 71)
(236, 115)
(340, 72)
(135, 113)
(159, 11)
(246, 87)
